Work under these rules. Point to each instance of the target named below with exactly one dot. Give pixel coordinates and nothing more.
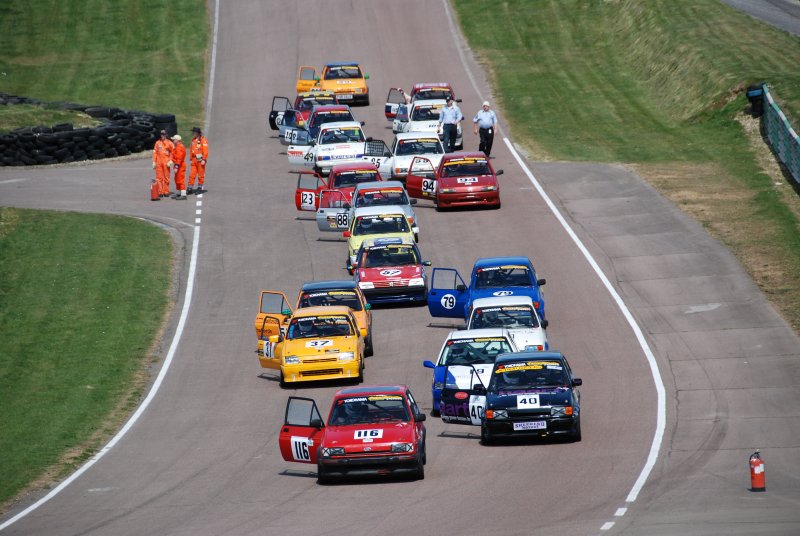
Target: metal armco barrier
(782, 137)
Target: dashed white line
(197, 220)
(620, 512)
(198, 211)
(607, 525)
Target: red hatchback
(343, 178)
(370, 430)
(463, 179)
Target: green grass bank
(658, 85)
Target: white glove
(169, 163)
(154, 165)
(202, 162)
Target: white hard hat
(486, 103)
(176, 137)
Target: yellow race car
(346, 79)
(375, 222)
(321, 343)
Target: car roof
(496, 301)
(328, 285)
(422, 102)
(341, 124)
(372, 390)
(522, 356)
(427, 85)
(487, 262)
(323, 310)
(316, 93)
(375, 211)
(343, 64)
(464, 154)
(414, 135)
(370, 242)
(379, 184)
(329, 107)
(475, 333)
(354, 166)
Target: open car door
(306, 195)
(464, 394)
(302, 431)
(298, 154)
(401, 118)
(377, 152)
(333, 214)
(448, 294)
(291, 134)
(393, 101)
(306, 78)
(421, 179)
(279, 107)
(272, 305)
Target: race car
(449, 297)
(296, 131)
(346, 79)
(289, 115)
(461, 179)
(272, 318)
(346, 292)
(391, 270)
(408, 145)
(423, 116)
(321, 343)
(377, 430)
(421, 91)
(375, 222)
(336, 212)
(465, 361)
(532, 394)
(514, 313)
(336, 143)
(343, 178)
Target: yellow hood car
(346, 79)
(375, 222)
(321, 343)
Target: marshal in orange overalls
(179, 164)
(198, 154)
(162, 162)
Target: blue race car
(449, 297)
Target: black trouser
(487, 138)
(449, 135)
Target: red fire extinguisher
(758, 481)
(154, 191)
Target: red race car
(462, 179)
(343, 178)
(391, 270)
(370, 430)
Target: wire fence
(782, 137)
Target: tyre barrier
(121, 133)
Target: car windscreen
(384, 223)
(329, 116)
(342, 135)
(507, 316)
(419, 146)
(368, 409)
(461, 167)
(344, 71)
(382, 197)
(528, 375)
(349, 178)
(331, 297)
(473, 351)
(515, 275)
(389, 255)
(426, 112)
(307, 327)
(433, 93)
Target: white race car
(517, 314)
(337, 143)
(422, 116)
(407, 145)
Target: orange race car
(345, 79)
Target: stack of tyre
(121, 133)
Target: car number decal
(309, 157)
(300, 448)
(476, 405)
(368, 435)
(467, 180)
(319, 343)
(390, 273)
(341, 220)
(429, 186)
(448, 301)
(503, 293)
(527, 401)
(307, 199)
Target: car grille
(390, 284)
(309, 360)
(529, 413)
(323, 372)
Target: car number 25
(429, 186)
(300, 448)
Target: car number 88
(341, 220)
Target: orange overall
(198, 154)
(162, 154)
(179, 161)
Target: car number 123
(307, 199)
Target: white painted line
(607, 525)
(661, 410)
(199, 203)
(187, 300)
(212, 69)
(620, 512)
(197, 220)
(199, 196)
(9, 181)
(198, 211)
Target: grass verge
(81, 297)
(657, 85)
(132, 54)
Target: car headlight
(447, 190)
(402, 447)
(561, 411)
(332, 451)
(291, 360)
(366, 284)
(496, 414)
(359, 90)
(345, 357)
(416, 282)
(438, 385)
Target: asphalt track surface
(783, 14)
(203, 459)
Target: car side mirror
(364, 332)
(367, 306)
(274, 338)
(412, 202)
(286, 312)
(420, 417)
(316, 79)
(479, 389)
(316, 423)
(346, 234)
(461, 287)
(545, 323)
(366, 77)
(369, 138)
(458, 100)
(362, 123)
(312, 142)
(577, 382)
(354, 265)
(346, 205)
(428, 364)
(499, 172)
(426, 263)
(541, 282)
